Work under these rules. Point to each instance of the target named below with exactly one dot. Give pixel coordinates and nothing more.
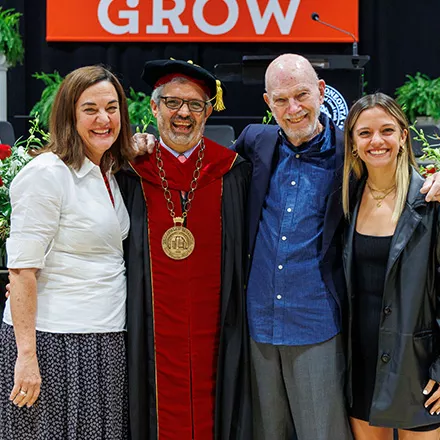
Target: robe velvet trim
(216, 163)
(186, 293)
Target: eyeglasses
(173, 103)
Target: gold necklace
(178, 242)
(383, 193)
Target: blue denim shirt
(288, 301)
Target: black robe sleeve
(233, 397)
(140, 348)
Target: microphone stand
(315, 17)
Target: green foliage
(268, 118)
(139, 110)
(44, 106)
(145, 122)
(431, 151)
(11, 43)
(364, 87)
(420, 96)
(10, 166)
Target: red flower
(1, 181)
(5, 151)
(430, 169)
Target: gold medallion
(178, 241)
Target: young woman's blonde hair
(354, 166)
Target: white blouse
(64, 223)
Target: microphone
(315, 17)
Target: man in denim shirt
(295, 291)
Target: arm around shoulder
(239, 146)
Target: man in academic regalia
(186, 324)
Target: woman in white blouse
(62, 349)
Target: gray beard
(298, 137)
(182, 138)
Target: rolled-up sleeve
(36, 199)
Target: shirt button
(289, 209)
(284, 238)
(387, 310)
(280, 266)
(297, 156)
(385, 358)
(293, 183)
(279, 296)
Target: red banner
(200, 20)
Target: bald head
(294, 95)
(289, 67)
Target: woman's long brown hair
(65, 141)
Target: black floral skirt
(83, 389)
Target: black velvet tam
(159, 72)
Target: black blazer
(258, 144)
(409, 332)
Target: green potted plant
(419, 97)
(11, 52)
(44, 105)
(11, 44)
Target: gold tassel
(219, 104)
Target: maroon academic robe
(187, 326)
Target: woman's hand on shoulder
(143, 143)
(434, 399)
(27, 380)
(431, 188)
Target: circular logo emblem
(334, 106)
(178, 242)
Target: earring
(402, 148)
(355, 153)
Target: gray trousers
(298, 391)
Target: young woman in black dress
(391, 260)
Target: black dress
(370, 262)
(370, 259)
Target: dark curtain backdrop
(401, 37)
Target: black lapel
(408, 221)
(350, 229)
(265, 144)
(333, 213)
